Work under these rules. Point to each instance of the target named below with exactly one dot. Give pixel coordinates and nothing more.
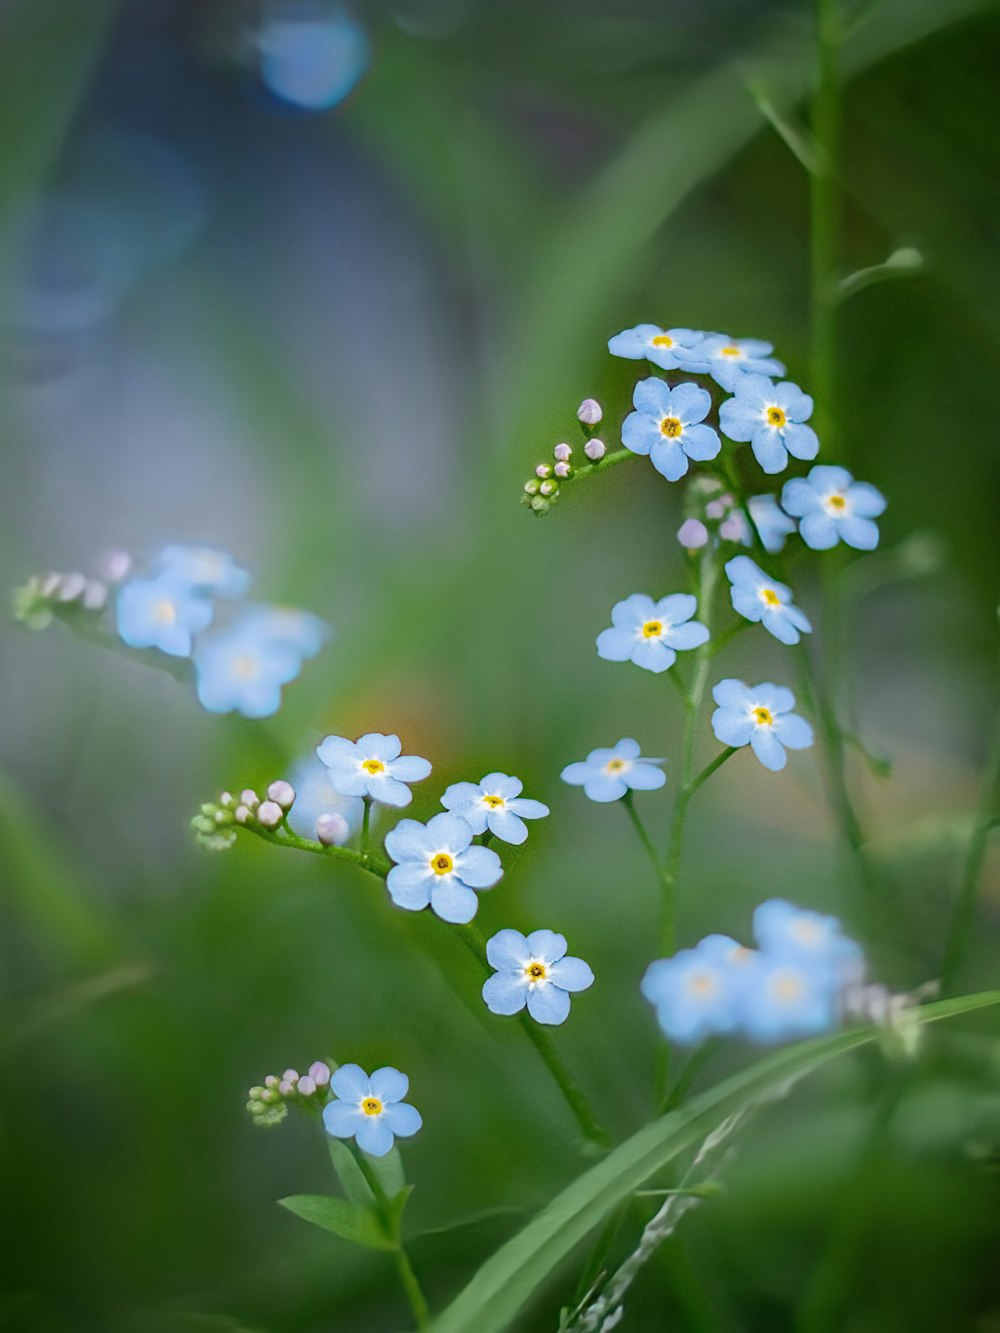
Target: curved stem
(375, 865)
(407, 1277)
(609, 460)
(629, 803)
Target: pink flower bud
(272, 1081)
(548, 488)
(292, 1075)
(332, 829)
(562, 469)
(589, 412)
(595, 450)
(241, 814)
(735, 527)
(692, 534)
(715, 509)
(562, 453)
(270, 814)
(71, 586)
(285, 1087)
(95, 595)
(543, 470)
(319, 1073)
(306, 1086)
(249, 798)
(115, 565)
(282, 793)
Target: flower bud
(562, 470)
(270, 1095)
(715, 509)
(692, 534)
(590, 412)
(539, 504)
(543, 470)
(282, 793)
(71, 587)
(256, 1093)
(562, 453)
(241, 814)
(228, 800)
(270, 814)
(203, 824)
(50, 585)
(549, 488)
(292, 1075)
(306, 1086)
(249, 798)
(286, 1087)
(319, 1073)
(595, 450)
(95, 595)
(271, 1081)
(531, 487)
(115, 565)
(734, 529)
(332, 829)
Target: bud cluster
(713, 515)
(214, 824)
(269, 1102)
(45, 596)
(542, 490)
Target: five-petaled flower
(533, 970)
(205, 569)
(696, 993)
(436, 866)
(607, 774)
(242, 670)
(758, 597)
(771, 417)
(789, 998)
(650, 633)
(163, 612)
(729, 358)
(372, 766)
(370, 1110)
(666, 426)
(759, 716)
(496, 804)
(783, 930)
(831, 507)
(670, 349)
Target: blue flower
(772, 523)
(313, 62)
(204, 569)
(316, 795)
(670, 349)
(649, 633)
(831, 507)
(436, 866)
(729, 358)
(759, 716)
(533, 970)
(161, 613)
(789, 998)
(496, 804)
(784, 931)
(370, 1110)
(288, 625)
(606, 775)
(697, 993)
(372, 766)
(759, 598)
(665, 426)
(241, 670)
(771, 417)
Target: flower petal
(615, 645)
(701, 443)
(342, 1119)
(571, 974)
(389, 1085)
(410, 885)
(768, 749)
(374, 1136)
(402, 1119)
(350, 1082)
(409, 768)
(507, 949)
(452, 901)
(506, 826)
(548, 1004)
(505, 992)
(547, 945)
(645, 777)
(478, 867)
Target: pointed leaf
(350, 1221)
(389, 1170)
(350, 1175)
(397, 1206)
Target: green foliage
(351, 1221)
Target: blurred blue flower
(436, 866)
(670, 349)
(533, 970)
(758, 598)
(784, 931)
(789, 998)
(650, 633)
(239, 669)
(161, 613)
(313, 62)
(831, 506)
(316, 795)
(771, 417)
(372, 766)
(203, 569)
(759, 716)
(772, 523)
(665, 426)
(288, 625)
(370, 1110)
(496, 804)
(729, 358)
(606, 775)
(697, 992)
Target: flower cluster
(542, 490)
(269, 1102)
(792, 985)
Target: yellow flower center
(671, 428)
(373, 766)
(806, 932)
(731, 351)
(770, 596)
(652, 629)
(776, 417)
(442, 863)
(165, 613)
(615, 766)
(787, 987)
(494, 802)
(701, 983)
(535, 972)
(740, 954)
(371, 1106)
(663, 340)
(763, 717)
(245, 666)
(837, 502)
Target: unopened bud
(562, 453)
(715, 509)
(271, 1081)
(692, 534)
(228, 800)
(590, 412)
(249, 798)
(270, 814)
(548, 488)
(241, 814)
(116, 565)
(270, 1095)
(531, 487)
(332, 829)
(543, 470)
(256, 1093)
(562, 470)
(319, 1073)
(292, 1075)
(734, 529)
(306, 1086)
(595, 450)
(95, 594)
(71, 587)
(286, 1087)
(203, 824)
(282, 793)
(539, 504)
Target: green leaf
(350, 1175)
(394, 1213)
(350, 1221)
(505, 1283)
(390, 1173)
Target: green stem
(824, 208)
(711, 767)
(375, 865)
(609, 460)
(629, 803)
(407, 1277)
(692, 1068)
(365, 834)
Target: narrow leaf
(350, 1221)
(349, 1174)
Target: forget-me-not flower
(533, 970)
(241, 670)
(772, 523)
(729, 358)
(670, 349)
(831, 507)
(666, 425)
(496, 804)
(288, 625)
(437, 866)
(697, 992)
(785, 931)
(313, 62)
(772, 417)
(789, 998)
(607, 774)
(759, 716)
(205, 569)
(372, 766)
(650, 633)
(370, 1110)
(162, 613)
(759, 598)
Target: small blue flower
(771, 417)
(370, 1110)
(204, 569)
(759, 598)
(161, 613)
(729, 358)
(772, 523)
(606, 775)
(831, 507)
(665, 425)
(789, 998)
(670, 349)
(437, 867)
(288, 625)
(496, 804)
(533, 970)
(241, 670)
(372, 766)
(759, 716)
(650, 633)
(785, 931)
(698, 992)
(313, 62)
(316, 795)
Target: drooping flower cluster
(792, 985)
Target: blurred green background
(337, 341)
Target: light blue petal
(645, 777)
(374, 745)
(825, 477)
(571, 974)
(778, 698)
(507, 950)
(640, 433)
(627, 748)
(731, 693)
(388, 791)
(452, 901)
(689, 403)
(577, 774)
(739, 419)
(819, 531)
(797, 405)
(798, 619)
(347, 778)
(548, 1004)
(410, 885)
(768, 749)
(777, 622)
(794, 731)
(402, 1119)
(731, 728)
(409, 768)
(741, 569)
(547, 945)
(374, 1136)
(389, 1085)
(801, 442)
(528, 809)
(633, 343)
(866, 501)
(653, 655)
(746, 602)
(409, 840)
(604, 788)
(632, 611)
(768, 449)
(505, 993)
(350, 1082)
(506, 826)
(342, 1119)
(479, 867)
(669, 459)
(701, 443)
(683, 637)
(461, 794)
(676, 607)
(652, 398)
(861, 533)
(798, 497)
(502, 784)
(616, 645)
(337, 749)
(447, 830)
